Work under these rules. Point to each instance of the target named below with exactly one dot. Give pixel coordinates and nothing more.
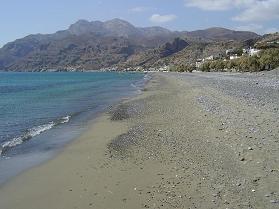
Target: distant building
(245, 51)
(210, 58)
(273, 42)
(199, 63)
(253, 51)
(234, 56)
(230, 52)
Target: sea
(41, 112)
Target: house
(253, 51)
(234, 56)
(230, 52)
(199, 63)
(245, 51)
(210, 58)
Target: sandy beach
(200, 140)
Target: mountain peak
(84, 26)
(118, 21)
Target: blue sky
(19, 18)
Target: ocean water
(41, 112)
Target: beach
(200, 140)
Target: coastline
(31, 136)
(180, 144)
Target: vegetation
(266, 60)
(182, 68)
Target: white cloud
(217, 5)
(251, 10)
(260, 11)
(156, 18)
(139, 9)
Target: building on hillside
(199, 63)
(210, 58)
(230, 52)
(213, 57)
(253, 52)
(245, 51)
(234, 56)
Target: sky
(19, 18)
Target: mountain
(221, 34)
(188, 54)
(268, 41)
(95, 45)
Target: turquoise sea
(41, 112)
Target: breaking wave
(30, 133)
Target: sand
(183, 143)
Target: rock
(274, 201)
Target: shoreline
(65, 129)
(185, 142)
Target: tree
(205, 67)
(269, 58)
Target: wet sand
(189, 141)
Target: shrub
(270, 58)
(205, 67)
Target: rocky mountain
(95, 45)
(187, 55)
(221, 34)
(268, 41)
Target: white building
(199, 63)
(234, 56)
(253, 51)
(210, 58)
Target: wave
(30, 133)
(139, 85)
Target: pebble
(274, 201)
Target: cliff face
(95, 45)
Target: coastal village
(231, 54)
(264, 51)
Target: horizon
(39, 17)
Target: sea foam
(30, 133)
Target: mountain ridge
(96, 44)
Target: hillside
(95, 45)
(269, 41)
(188, 54)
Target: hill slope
(95, 45)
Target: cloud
(250, 10)
(216, 5)
(260, 11)
(139, 9)
(156, 18)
